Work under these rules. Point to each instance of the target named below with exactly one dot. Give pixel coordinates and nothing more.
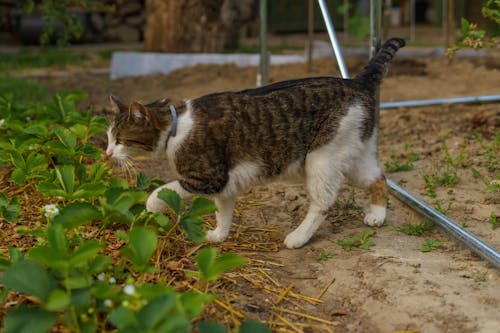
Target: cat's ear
(138, 111)
(117, 105)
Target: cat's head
(136, 129)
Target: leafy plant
(474, 37)
(324, 255)
(190, 220)
(394, 165)
(9, 209)
(363, 240)
(211, 266)
(494, 221)
(416, 229)
(430, 244)
(65, 278)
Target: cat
(321, 130)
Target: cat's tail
(376, 69)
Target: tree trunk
(194, 25)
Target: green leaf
(29, 320)
(76, 214)
(19, 176)
(50, 257)
(141, 245)
(9, 210)
(66, 176)
(211, 327)
(123, 318)
(29, 278)
(90, 190)
(211, 266)
(194, 303)
(172, 199)
(177, 323)
(56, 237)
(85, 252)
(100, 264)
(194, 227)
(67, 138)
(226, 262)
(155, 311)
(464, 26)
(202, 206)
(252, 326)
(57, 300)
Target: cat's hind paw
(216, 236)
(375, 216)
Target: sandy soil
(393, 286)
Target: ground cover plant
(67, 204)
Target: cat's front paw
(375, 216)
(295, 240)
(153, 204)
(215, 236)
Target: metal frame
(460, 234)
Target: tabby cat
(321, 130)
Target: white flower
(50, 210)
(108, 303)
(129, 289)
(112, 280)
(101, 276)
(1, 122)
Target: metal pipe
(438, 101)
(476, 245)
(333, 39)
(263, 74)
(375, 26)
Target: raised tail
(376, 69)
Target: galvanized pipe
(462, 235)
(439, 101)
(476, 245)
(263, 74)
(333, 39)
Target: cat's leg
(154, 204)
(367, 174)
(224, 216)
(323, 180)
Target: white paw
(295, 240)
(375, 216)
(216, 236)
(153, 204)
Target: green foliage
(358, 26)
(494, 221)
(9, 209)
(430, 244)
(474, 37)
(25, 92)
(415, 229)
(363, 240)
(395, 165)
(212, 266)
(324, 255)
(190, 220)
(58, 13)
(67, 278)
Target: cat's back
(297, 97)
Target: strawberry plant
(67, 278)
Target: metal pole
(465, 237)
(375, 24)
(438, 101)
(462, 235)
(412, 20)
(310, 34)
(333, 39)
(263, 75)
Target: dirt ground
(393, 286)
